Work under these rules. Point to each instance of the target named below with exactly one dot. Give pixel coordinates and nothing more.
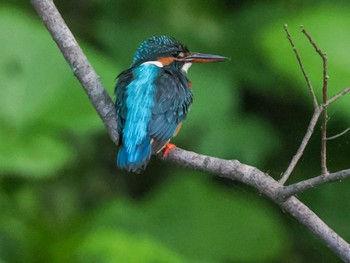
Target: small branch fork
(318, 108)
(302, 186)
(231, 169)
(323, 55)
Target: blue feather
(135, 162)
(136, 149)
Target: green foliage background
(63, 200)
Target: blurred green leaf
(109, 246)
(332, 37)
(214, 124)
(17, 238)
(202, 222)
(233, 140)
(32, 154)
(48, 126)
(40, 99)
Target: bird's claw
(168, 148)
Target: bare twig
(338, 135)
(302, 186)
(336, 97)
(231, 169)
(308, 81)
(317, 111)
(332, 100)
(323, 55)
(302, 146)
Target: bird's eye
(181, 54)
(178, 54)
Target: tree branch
(323, 56)
(304, 142)
(318, 109)
(302, 186)
(336, 97)
(314, 119)
(231, 169)
(308, 81)
(80, 65)
(338, 135)
(234, 170)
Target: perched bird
(153, 98)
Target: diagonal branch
(80, 65)
(302, 186)
(336, 97)
(234, 170)
(231, 169)
(308, 81)
(304, 142)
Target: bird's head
(164, 51)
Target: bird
(153, 98)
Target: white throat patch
(186, 66)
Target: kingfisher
(153, 98)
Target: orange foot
(168, 148)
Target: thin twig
(338, 135)
(317, 111)
(302, 186)
(308, 81)
(302, 146)
(336, 97)
(323, 56)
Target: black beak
(196, 57)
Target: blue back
(136, 148)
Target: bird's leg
(168, 147)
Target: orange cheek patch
(190, 84)
(166, 61)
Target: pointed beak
(196, 57)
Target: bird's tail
(136, 160)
